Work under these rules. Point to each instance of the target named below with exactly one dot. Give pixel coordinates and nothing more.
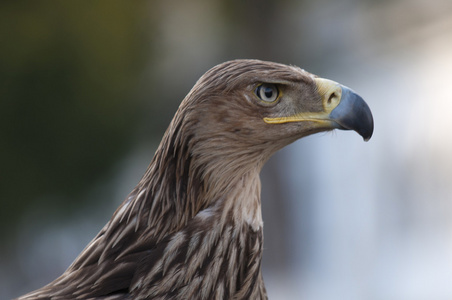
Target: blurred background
(87, 89)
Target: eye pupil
(267, 92)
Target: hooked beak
(353, 113)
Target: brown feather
(192, 227)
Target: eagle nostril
(330, 99)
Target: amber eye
(267, 92)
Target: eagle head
(243, 111)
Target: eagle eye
(267, 92)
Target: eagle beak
(352, 113)
(342, 109)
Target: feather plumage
(192, 227)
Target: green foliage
(68, 76)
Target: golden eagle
(192, 227)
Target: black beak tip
(366, 126)
(366, 135)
